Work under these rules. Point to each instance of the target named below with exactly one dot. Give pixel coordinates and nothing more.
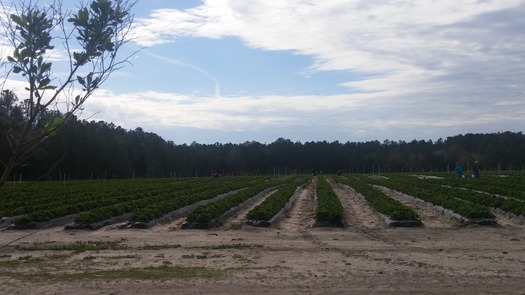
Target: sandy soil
(291, 258)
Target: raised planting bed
(274, 208)
(391, 211)
(92, 204)
(440, 197)
(213, 214)
(329, 212)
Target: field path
(302, 214)
(358, 214)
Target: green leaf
(17, 20)
(94, 83)
(44, 83)
(80, 58)
(45, 67)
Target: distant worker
(459, 170)
(475, 170)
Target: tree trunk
(5, 176)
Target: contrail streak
(217, 89)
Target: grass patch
(150, 273)
(130, 256)
(238, 246)
(79, 246)
(202, 256)
(238, 225)
(27, 261)
(245, 268)
(160, 247)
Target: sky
(235, 70)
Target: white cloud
(401, 40)
(372, 114)
(432, 67)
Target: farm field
(447, 252)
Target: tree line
(84, 149)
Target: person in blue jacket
(459, 170)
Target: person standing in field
(475, 170)
(459, 170)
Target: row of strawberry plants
(512, 186)
(65, 210)
(329, 208)
(435, 196)
(378, 200)
(98, 209)
(88, 210)
(208, 213)
(272, 205)
(162, 207)
(105, 212)
(156, 206)
(46, 212)
(473, 195)
(50, 195)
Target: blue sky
(235, 71)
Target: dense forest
(96, 150)
(101, 150)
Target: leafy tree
(91, 38)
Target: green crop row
(106, 202)
(161, 207)
(88, 194)
(211, 211)
(90, 209)
(27, 196)
(329, 206)
(378, 200)
(156, 206)
(467, 192)
(508, 186)
(272, 205)
(436, 195)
